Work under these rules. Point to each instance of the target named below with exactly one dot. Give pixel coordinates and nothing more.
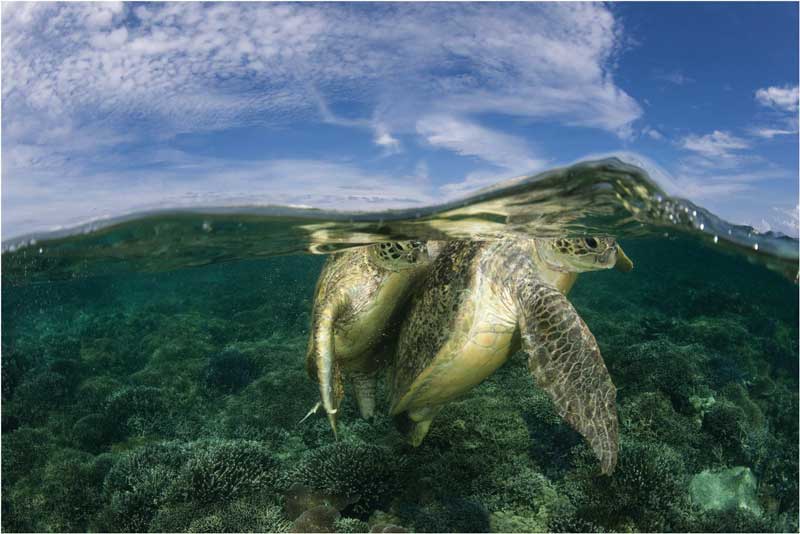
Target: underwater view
(400, 267)
(177, 390)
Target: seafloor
(170, 402)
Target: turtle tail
(329, 374)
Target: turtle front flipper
(565, 361)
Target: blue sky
(109, 108)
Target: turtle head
(400, 255)
(581, 254)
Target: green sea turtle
(359, 294)
(480, 301)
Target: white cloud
(783, 102)
(788, 220)
(110, 40)
(470, 139)
(83, 81)
(200, 66)
(717, 144)
(652, 133)
(781, 98)
(769, 133)
(384, 139)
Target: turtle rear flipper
(565, 361)
(364, 385)
(415, 427)
(329, 374)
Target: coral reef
(359, 473)
(229, 371)
(221, 470)
(171, 401)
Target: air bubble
(694, 213)
(716, 239)
(755, 247)
(702, 226)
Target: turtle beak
(624, 263)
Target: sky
(109, 108)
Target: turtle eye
(591, 242)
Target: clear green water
(141, 393)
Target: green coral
(60, 496)
(72, 486)
(94, 432)
(229, 371)
(735, 520)
(223, 470)
(481, 422)
(518, 490)
(39, 395)
(24, 450)
(182, 478)
(511, 522)
(249, 514)
(350, 524)
(452, 514)
(648, 487)
(676, 370)
(138, 484)
(137, 411)
(733, 436)
(360, 472)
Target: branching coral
(138, 484)
(39, 394)
(137, 410)
(224, 470)
(447, 515)
(366, 474)
(648, 487)
(229, 371)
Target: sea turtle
(480, 301)
(358, 296)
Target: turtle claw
(331, 417)
(311, 412)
